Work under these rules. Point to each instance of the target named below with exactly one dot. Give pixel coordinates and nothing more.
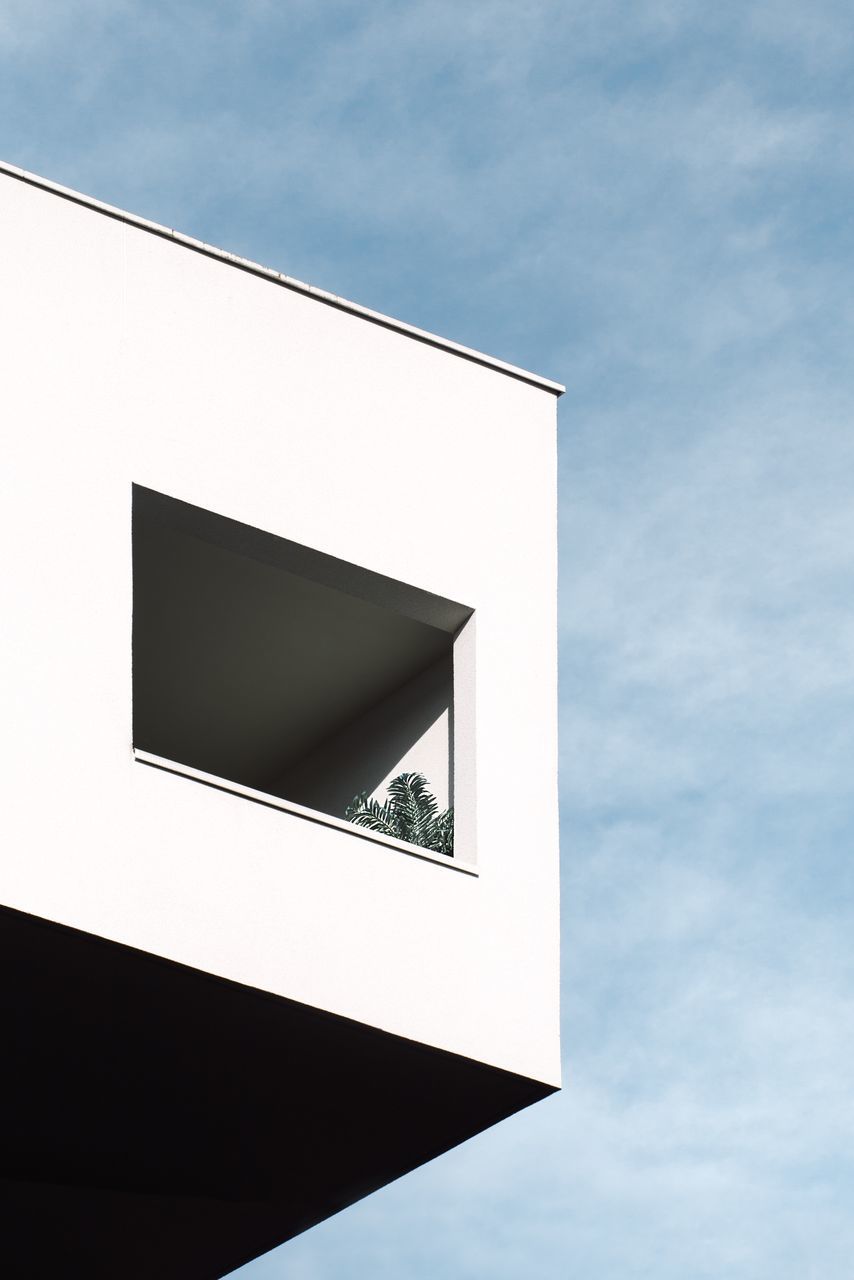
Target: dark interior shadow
(358, 757)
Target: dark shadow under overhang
(163, 1122)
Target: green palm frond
(365, 812)
(415, 805)
(410, 813)
(444, 833)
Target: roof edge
(287, 282)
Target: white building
(230, 1012)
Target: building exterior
(264, 550)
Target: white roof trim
(288, 282)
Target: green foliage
(410, 813)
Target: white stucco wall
(128, 358)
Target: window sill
(300, 811)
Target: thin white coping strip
(300, 811)
(289, 282)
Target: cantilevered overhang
(162, 1122)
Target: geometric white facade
(135, 357)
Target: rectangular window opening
(280, 669)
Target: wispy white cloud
(25, 26)
(712, 605)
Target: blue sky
(650, 200)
